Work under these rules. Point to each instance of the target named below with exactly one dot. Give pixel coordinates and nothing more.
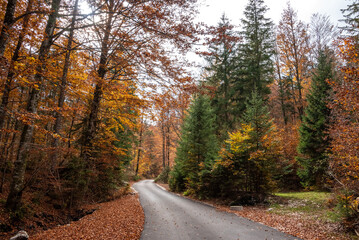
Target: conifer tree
(222, 70)
(197, 148)
(264, 147)
(255, 52)
(314, 140)
(257, 115)
(351, 19)
(247, 164)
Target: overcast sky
(212, 10)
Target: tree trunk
(11, 72)
(7, 24)
(281, 91)
(139, 150)
(92, 124)
(163, 146)
(60, 104)
(168, 143)
(17, 185)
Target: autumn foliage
(75, 82)
(91, 93)
(344, 164)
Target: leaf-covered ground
(293, 222)
(119, 219)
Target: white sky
(212, 10)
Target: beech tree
(17, 184)
(8, 22)
(129, 38)
(292, 43)
(14, 59)
(322, 33)
(344, 132)
(82, 79)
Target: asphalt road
(171, 217)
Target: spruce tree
(314, 135)
(263, 150)
(255, 53)
(222, 70)
(247, 163)
(351, 19)
(197, 147)
(258, 116)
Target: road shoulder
(294, 224)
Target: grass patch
(317, 197)
(312, 205)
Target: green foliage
(348, 209)
(286, 176)
(81, 183)
(163, 177)
(176, 179)
(222, 70)
(74, 178)
(197, 147)
(107, 178)
(136, 178)
(255, 53)
(248, 161)
(314, 130)
(124, 142)
(351, 18)
(257, 115)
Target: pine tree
(314, 140)
(197, 148)
(255, 52)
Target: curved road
(171, 217)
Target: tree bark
(281, 90)
(92, 124)
(60, 104)
(17, 185)
(163, 146)
(11, 72)
(168, 143)
(139, 150)
(7, 24)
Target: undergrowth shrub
(348, 208)
(163, 177)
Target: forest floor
(295, 214)
(120, 218)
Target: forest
(98, 93)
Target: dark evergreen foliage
(314, 135)
(258, 116)
(222, 68)
(246, 167)
(255, 53)
(351, 15)
(197, 148)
